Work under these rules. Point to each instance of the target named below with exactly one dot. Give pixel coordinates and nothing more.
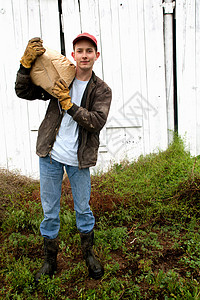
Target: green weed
(147, 233)
(27, 218)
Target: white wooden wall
(132, 66)
(130, 38)
(21, 20)
(188, 72)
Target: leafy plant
(147, 233)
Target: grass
(147, 233)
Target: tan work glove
(33, 50)
(61, 92)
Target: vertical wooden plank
(197, 84)
(4, 155)
(71, 22)
(50, 27)
(110, 47)
(186, 68)
(143, 89)
(89, 16)
(155, 74)
(128, 28)
(130, 65)
(34, 21)
(111, 58)
(10, 109)
(111, 61)
(34, 30)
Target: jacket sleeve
(94, 118)
(25, 89)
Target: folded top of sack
(51, 66)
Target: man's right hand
(61, 92)
(33, 50)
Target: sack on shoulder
(51, 66)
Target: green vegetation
(147, 233)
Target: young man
(68, 138)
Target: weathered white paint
(21, 20)
(130, 38)
(188, 71)
(125, 30)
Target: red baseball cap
(87, 36)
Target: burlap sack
(51, 66)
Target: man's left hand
(61, 91)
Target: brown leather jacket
(91, 116)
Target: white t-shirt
(66, 144)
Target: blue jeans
(51, 176)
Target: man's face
(85, 55)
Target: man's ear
(97, 55)
(72, 54)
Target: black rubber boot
(50, 258)
(95, 269)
